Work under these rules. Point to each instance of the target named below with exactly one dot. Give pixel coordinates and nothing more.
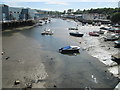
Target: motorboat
(47, 32)
(117, 43)
(93, 34)
(112, 37)
(99, 32)
(76, 34)
(72, 28)
(69, 49)
(40, 23)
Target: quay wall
(16, 24)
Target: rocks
(29, 85)
(54, 86)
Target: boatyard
(54, 49)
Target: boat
(99, 32)
(117, 43)
(72, 28)
(112, 37)
(93, 34)
(76, 34)
(40, 23)
(116, 58)
(69, 49)
(47, 32)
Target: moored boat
(69, 49)
(72, 28)
(76, 34)
(93, 34)
(47, 32)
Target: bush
(116, 18)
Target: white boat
(47, 32)
(41, 22)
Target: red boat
(93, 34)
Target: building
(119, 4)
(14, 13)
(93, 16)
(27, 14)
(4, 10)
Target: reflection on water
(71, 54)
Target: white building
(119, 4)
(93, 16)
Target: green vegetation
(116, 17)
(112, 13)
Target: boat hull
(76, 35)
(68, 51)
(93, 34)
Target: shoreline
(18, 28)
(96, 47)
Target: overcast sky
(60, 5)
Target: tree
(70, 11)
(116, 18)
(64, 12)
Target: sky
(61, 5)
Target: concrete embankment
(16, 24)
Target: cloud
(60, 1)
(57, 3)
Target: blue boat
(69, 49)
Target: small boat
(99, 32)
(73, 28)
(76, 34)
(47, 32)
(117, 44)
(69, 49)
(40, 23)
(93, 34)
(112, 37)
(116, 58)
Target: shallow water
(64, 71)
